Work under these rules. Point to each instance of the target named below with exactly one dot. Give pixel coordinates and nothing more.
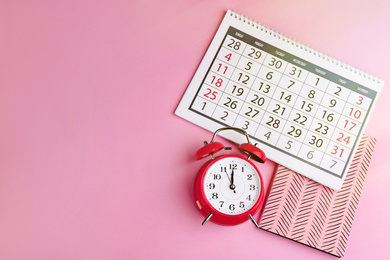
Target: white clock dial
(232, 185)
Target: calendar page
(305, 110)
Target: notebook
(307, 212)
(305, 110)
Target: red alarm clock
(228, 189)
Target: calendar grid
(280, 103)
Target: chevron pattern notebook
(309, 213)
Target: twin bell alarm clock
(228, 189)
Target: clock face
(232, 185)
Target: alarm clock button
(255, 152)
(207, 149)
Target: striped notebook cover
(307, 212)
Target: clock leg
(253, 221)
(207, 218)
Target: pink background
(95, 165)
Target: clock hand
(232, 186)
(228, 176)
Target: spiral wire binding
(298, 44)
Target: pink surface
(95, 165)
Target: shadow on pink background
(95, 165)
